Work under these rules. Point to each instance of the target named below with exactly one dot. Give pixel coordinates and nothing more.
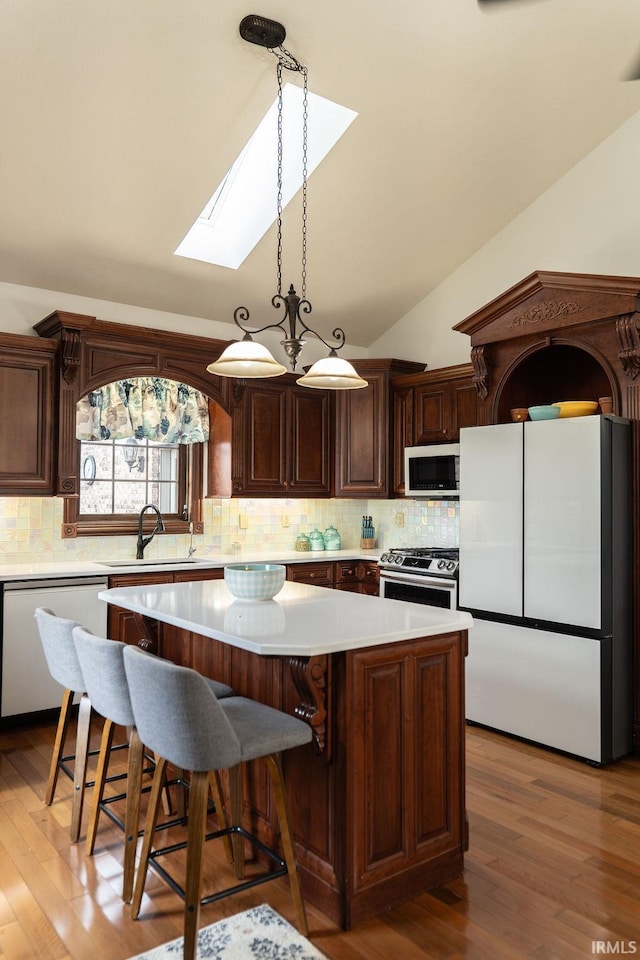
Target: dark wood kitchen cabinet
(122, 625)
(319, 573)
(358, 576)
(91, 353)
(444, 401)
(28, 439)
(281, 441)
(402, 433)
(428, 408)
(363, 420)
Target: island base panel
(377, 807)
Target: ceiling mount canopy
(266, 33)
(245, 358)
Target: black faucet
(159, 528)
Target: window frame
(190, 467)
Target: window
(121, 476)
(129, 454)
(172, 483)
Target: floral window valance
(144, 407)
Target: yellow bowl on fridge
(576, 408)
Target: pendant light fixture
(246, 359)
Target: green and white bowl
(548, 412)
(254, 581)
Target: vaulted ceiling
(118, 120)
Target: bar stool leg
(149, 827)
(80, 766)
(236, 805)
(221, 816)
(275, 769)
(196, 832)
(58, 747)
(132, 811)
(106, 743)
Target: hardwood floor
(553, 865)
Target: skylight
(245, 204)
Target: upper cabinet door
(402, 424)
(444, 402)
(28, 401)
(281, 440)
(362, 429)
(262, 439)
(309, 438)
(432, 413)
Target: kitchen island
(378, 799)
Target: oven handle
(403, 576)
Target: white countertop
(107, 568)
(301, 621)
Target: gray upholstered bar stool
(184, 724)
(56, 635)
(101, 662)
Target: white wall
(588, 222)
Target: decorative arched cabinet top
(544, 302)
(95, 352)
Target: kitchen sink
(169, 561)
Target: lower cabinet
(378, 809)
(320, 574)
(121, 624)
(369, 577)
(358, 576)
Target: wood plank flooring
(553, 870)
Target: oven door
(419, 588)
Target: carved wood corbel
(149, 632)
(238, 390)
(69, 354)
(629, 343)
(311, 676)
(480, 371)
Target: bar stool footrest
(281, 870)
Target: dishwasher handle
(60, 582)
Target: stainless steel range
(426, 575)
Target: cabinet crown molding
(545, 300)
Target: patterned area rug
(260, 933)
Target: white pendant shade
(246, 360)
(332, 373)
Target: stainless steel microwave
(432, 471)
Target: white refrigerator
(545, 568)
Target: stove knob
(384, 558)
(451, 565)
(399, 558)
(442, 564)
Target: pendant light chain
(279, 197)
(287, 61)
(305, 116)
(246, 359)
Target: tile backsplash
(30, 528)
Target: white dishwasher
(27, 685)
